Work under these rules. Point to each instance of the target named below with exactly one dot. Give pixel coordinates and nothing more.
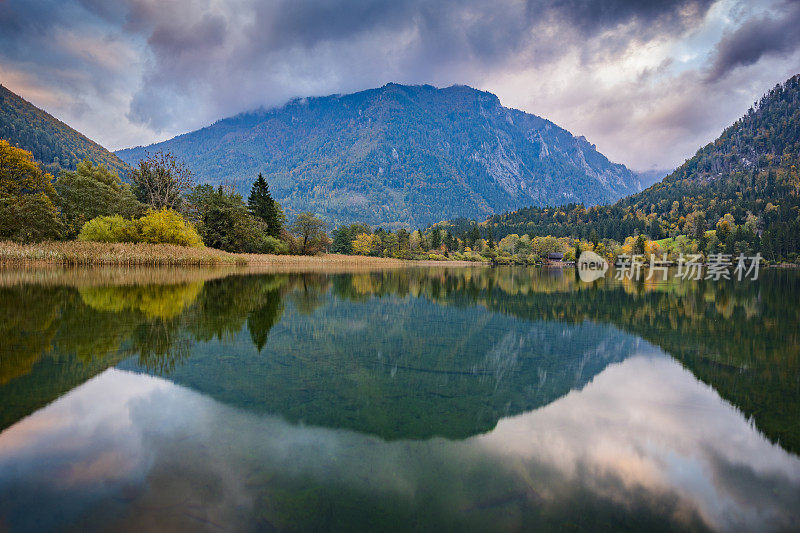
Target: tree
(261, 204)
(161, 180)
(449, 242)
(92, 191)
(508, 244)
(436, 239)
(342, 241)
(416, 241)
(343, 237)
(593, 238)
(225, 223)
(309, 234)
(403, 242)
(472, 236)
(640, 245)
(27, 209)
(726, 225)
(390, 244)
(366, 244)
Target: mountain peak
(402, 155)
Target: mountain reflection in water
(483, 398)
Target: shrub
(108, 229)
(156, 227)
(167, 227)
(275, 246)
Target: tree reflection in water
(491, 339)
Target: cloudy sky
(647, 81)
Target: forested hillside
(747, 180)
(401, 156)
(53, 144)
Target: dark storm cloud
(652, 15)
(777, 35)
(198, 50)
(154, 68)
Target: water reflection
(129, 451)
(489, 398)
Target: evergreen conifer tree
(261, 204)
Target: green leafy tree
(343, 237)
(92, 191)
(403, 243)
(224, 222)
(473, 235)
(308, 233)
(594, 238)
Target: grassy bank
(77, 253)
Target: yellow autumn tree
(27, 208)
(365, 243)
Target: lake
(437, 398)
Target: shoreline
(95, 254)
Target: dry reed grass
(77, 253)
(95, 254)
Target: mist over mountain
(401, 156)
(652, 176)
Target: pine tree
(436, 239)
(261, 204)
(593, 238)
(449, 242)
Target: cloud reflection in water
(129, 451)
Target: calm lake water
(427, 399)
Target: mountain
(53, 144)
(749, 172)
(401, 156)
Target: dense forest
(746, 180)
(53, 144)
